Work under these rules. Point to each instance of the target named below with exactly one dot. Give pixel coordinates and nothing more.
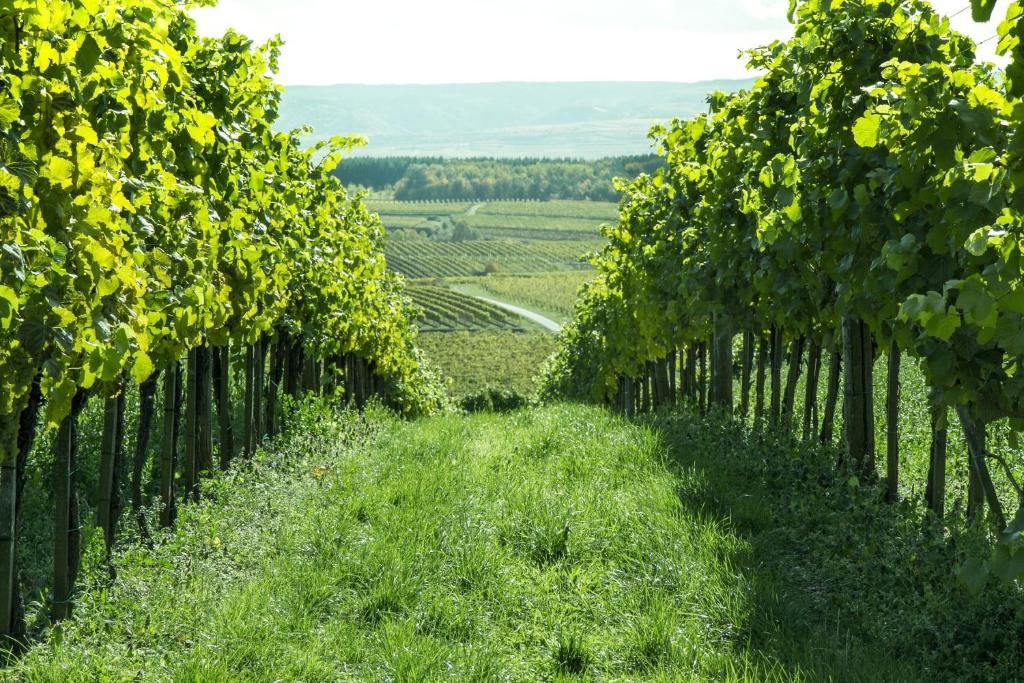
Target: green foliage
(149, 207)
(868, 180)
(418, 179)
(493, 400)
(545, 543)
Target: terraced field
(426, 258)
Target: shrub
(494, 399)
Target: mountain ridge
(584, 119)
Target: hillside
(588, 120)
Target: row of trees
(862, 198)
(419, 179)
(150, 214)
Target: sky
(474, 41)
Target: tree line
(435, 178)
(156, 233)
(861, 200)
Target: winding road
(546, 323)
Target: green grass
(558, 543)
(473, 361)
(915, 436)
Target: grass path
(558, 543)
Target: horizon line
(753, 76)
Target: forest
(440, 179)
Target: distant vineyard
(601, 211)
(399, 222)
(484, 222)
(551, 292)
(425, 258)
(448, 311)
(590, 236)
(555, 220)
(473, 361)
(395, 208)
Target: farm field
(391, 207)
(552, 294)
(559, 543)
(542, 220)
(747, 407)
(528, 254)
(600, 211)
(429, 258)
(486, 222)
(445, 310)
(473, 361)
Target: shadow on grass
(840, 585)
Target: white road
(546, 323)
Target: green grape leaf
(865, 131)
(974, 300)
(88, 55)
(1008, 562)
(981, 10)
(58, 171)
(142, 368)
(8, 306)
(10, 111)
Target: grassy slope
(522, 547)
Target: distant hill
(582, 120)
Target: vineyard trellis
(156, 230)
(447, 310)
(861, 200)
(428, 258)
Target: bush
(494, 400)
